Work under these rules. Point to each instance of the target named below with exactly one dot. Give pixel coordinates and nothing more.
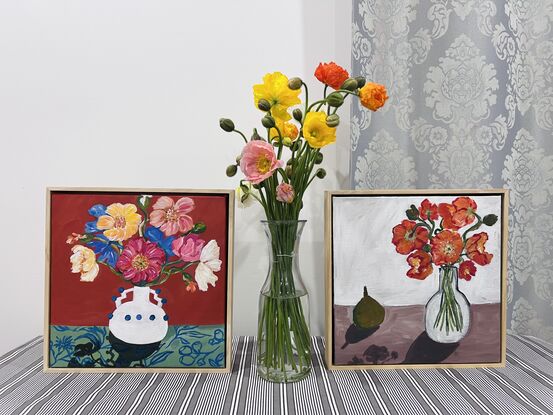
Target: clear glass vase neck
(449, 276)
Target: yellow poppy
(120, 222)
(287, 129)
(275, 90)
(315, 130)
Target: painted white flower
(83, 261)
(209, 264)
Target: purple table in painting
(524, 386)
(402, 339)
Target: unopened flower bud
(294, 83)
(288, 171)
(350, 84)
(255, 135)
(333, 120)
(489, 220)
(226, 124)
(287, 141)
(335, 99)
(268, 121)
(231, 170)
(296, 146)
(263, 105)
(297, 114)
(321, 173)
(319, 158)
(199, 228)
(360, 81)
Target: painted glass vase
(447, 317)
(283, 348)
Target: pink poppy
(172, 217)
(188, 248)
(285, 193)
(140, 261)
(259, 161)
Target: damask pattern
(471, 106)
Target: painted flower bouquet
(146, 246)
(278, 167)
(433, 235)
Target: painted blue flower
(96, 211)
(156, 236)
(107, 250)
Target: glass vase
(447, 317)
(283, 348)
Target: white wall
(128, 94)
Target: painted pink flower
(259, 161)
(188, 248)
(285, 193)
(140, 261)
(172, 217)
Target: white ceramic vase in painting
(447, 316)
(139, 321)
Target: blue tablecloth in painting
(525, 386)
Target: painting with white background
(363, 253)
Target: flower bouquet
(144, 246)
(278, 168)
(431, 235)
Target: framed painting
(416, 278)
(138, 280)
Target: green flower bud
(298, 115)
(287, 141)
(199, 228)
(231, 170)
(268, 121)
(412, 213)
(319, 158)
(288, 171)
(294, 83)
(361, 81)
(335, 99)
(426, 248)
(296, 146)
(226, 124)
(290, 162)
(144, 201)
(350, 84)
(255, 135)
(321, 173)
(264, 105)
(333, 120)
(489, 220)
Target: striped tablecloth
(525, 386)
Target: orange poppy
(421, 265)
(428, 210)
(459, 213)
(331, 74)
(467, 270)
(407, 238)
(476, 249)
(446, 247)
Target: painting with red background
(76, 303)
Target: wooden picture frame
(186, 324)
(386, 334)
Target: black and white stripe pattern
(525, 386)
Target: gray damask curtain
(471, 106)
